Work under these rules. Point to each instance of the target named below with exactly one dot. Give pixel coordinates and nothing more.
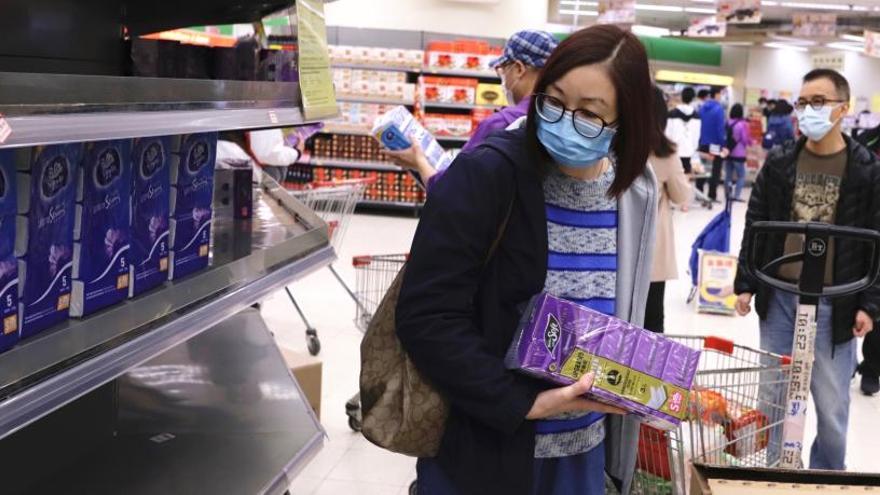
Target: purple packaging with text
(637, 370)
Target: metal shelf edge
(377, 166)
(44, 397)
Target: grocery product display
(8, 264)
(637, 370)
(150, 204)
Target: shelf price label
(316, 84)
(5, 129)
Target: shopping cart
(334, 201)
(735, 418)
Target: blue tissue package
(193, 191)
(150, 209)
(48, 262)
(101, 267)
(8, 263)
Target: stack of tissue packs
(44, 234)
(8, 263)
(192, 180)
(637, 370)
(151, 188)
(103, 223)
(398, 128)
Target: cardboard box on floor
(307, 370)
(713, 480)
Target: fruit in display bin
(708, 405)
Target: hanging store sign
(316, 84)
(617, 12)
(814, 25)
(872, 43)
(739, 11)
(707, 27)
(829, 60)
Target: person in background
(780, 129)
(569, 204)
(272, 152)
(739, 140)
(824, 177)
(870, 366)
(674, 187)
(683, 128)
(525, 54)
(712, 140)
(702, 98)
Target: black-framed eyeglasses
(816, 102)
(586, 123)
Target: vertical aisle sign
(739, 11)
(316, 84)
(617, 12)
(872, 43)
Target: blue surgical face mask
(568, 147)
(816, 124)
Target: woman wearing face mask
(569, 205)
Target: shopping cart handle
(815, 246)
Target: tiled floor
(349, 464)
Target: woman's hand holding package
(568, 399)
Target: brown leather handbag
(402, 412)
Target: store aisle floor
(350, 464)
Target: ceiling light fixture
(579, 12)
(699, 10)
(852, 37)
(658, 8)
(578, 3)
(736, 43)
(703, 1)
(846, 46)
(783, 46)
(642, 30)
(816, 6)
(768, 3)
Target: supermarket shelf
(459, 106)
(397, 205)
(461, 73)
(387, 68)
(346, 132)
(369, 99)
(453, 139)
(355, 164)
(251, 259)
(59, 108)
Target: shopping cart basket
(735, 417)
(334, 201)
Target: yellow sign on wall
(693, 78)
(316, 84)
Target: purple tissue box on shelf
(637, 370)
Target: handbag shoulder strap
(501, 230)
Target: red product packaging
(653, 456)
(480, 114)
(448, 124)
(747, 432)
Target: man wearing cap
(525, 54)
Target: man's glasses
(552, 110)
(816, 102)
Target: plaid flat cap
(531, 47)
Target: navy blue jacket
(712, 120)
(488, 447)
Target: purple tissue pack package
(46, 265)
(192, 194)
(8, 263)
(150, 204)
(102, 239)
(636, 370)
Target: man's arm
(869, 300)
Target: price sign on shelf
(5, 129)
(316, 85)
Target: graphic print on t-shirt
(815, 197)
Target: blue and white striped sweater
(581, 267)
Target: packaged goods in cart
(399, 124)
(192, 178)
(8, 263)
(44, 235)
(747, 431)
(150, 201)
(102, 234)
(636, 370)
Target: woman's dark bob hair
(627, 63)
